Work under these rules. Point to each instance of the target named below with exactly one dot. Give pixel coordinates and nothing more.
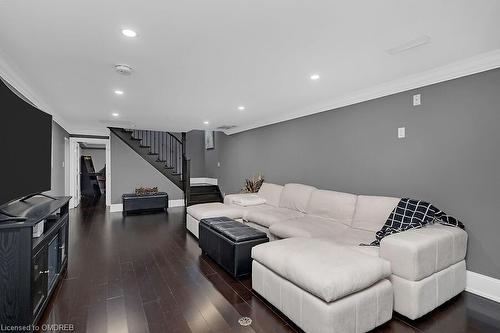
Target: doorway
(90, 176)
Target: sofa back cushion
(372, 212)
(337, 206)
(296, 196)
(271, 192)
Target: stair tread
(202, 185)
(195, 202)
(208, 193)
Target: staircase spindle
(154, 141)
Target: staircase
(204, 193)
(167, 153)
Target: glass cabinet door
(53, 261)
(63, 244)
(39, 283)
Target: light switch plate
(401, 132)
(417, 99)
(218, 164)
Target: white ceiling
(199, 60)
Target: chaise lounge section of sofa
(427, 264)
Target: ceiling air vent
(123, 69)
(226, 127)
(422, 40)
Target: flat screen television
(25, 147)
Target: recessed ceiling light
(119, 92)
(206, 122)
(115, 114)
(129, 33)
(241, 108)
(314, 77)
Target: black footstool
(229, 243)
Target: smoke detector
(123, 69)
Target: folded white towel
(249, 200)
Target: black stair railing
(164, 150)
(168, 148)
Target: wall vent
(226, 127)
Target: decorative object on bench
(413, 214)
(146, 191)
(230, 243)
(253, 184)
(144, 203)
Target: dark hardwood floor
(146, 274)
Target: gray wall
(58, 174)
(129, 171)
(195, 150)
(450, 157)
(98, 157)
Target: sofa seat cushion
(214, 209)
(337, 206)
(316, 227)
(308, 226)
(269, 215)
(296, 196)
(321, 267)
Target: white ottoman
(213, 209)
(322, 286)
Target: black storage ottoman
(229, 243)
(133, 203)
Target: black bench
(133, 203)
(229, 243)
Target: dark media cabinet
(30, 268)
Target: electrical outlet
(401, 132)
(218, 164)
(417, 100)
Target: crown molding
(473, 65)
(12, 75)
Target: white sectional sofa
(427, 265)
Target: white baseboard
(211, 181)
(176, 203)
(483, 285)
(114, 208)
